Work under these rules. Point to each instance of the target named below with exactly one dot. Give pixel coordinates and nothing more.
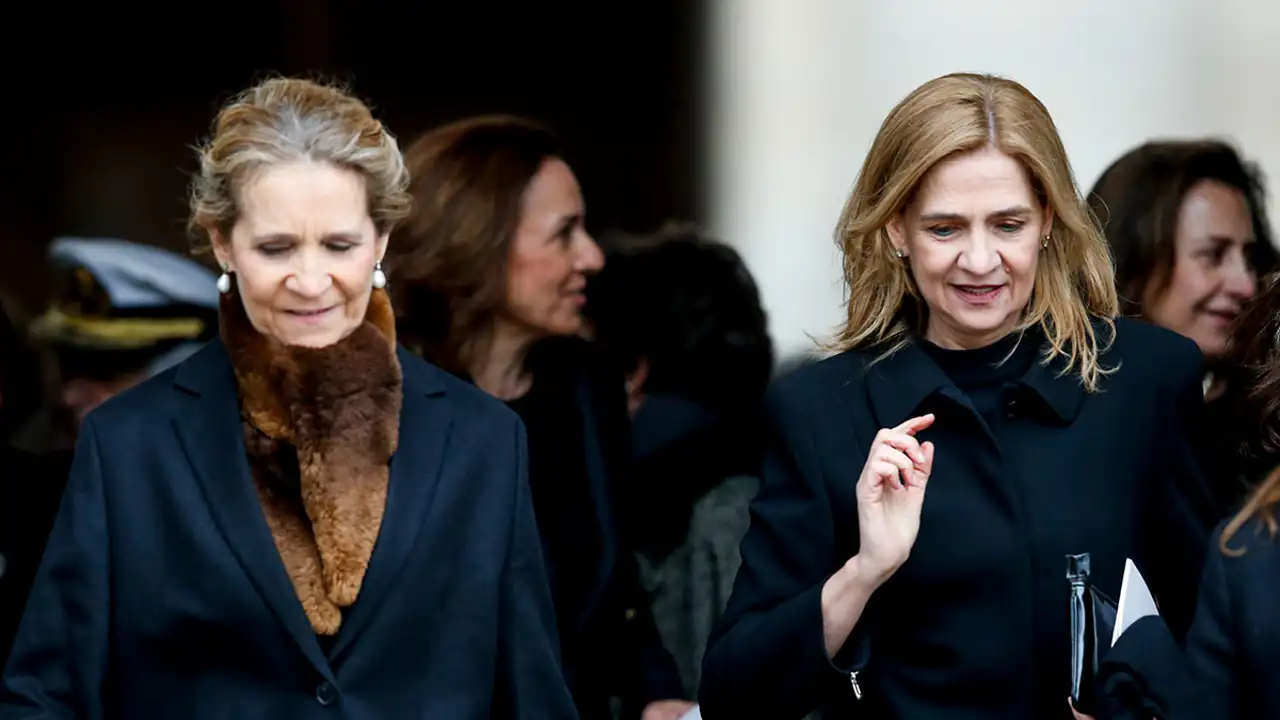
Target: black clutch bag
(1093, 619)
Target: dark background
(104, 103)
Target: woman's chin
(315, 339)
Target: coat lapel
(209, 428)
(425, 419)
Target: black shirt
(988, 376)
(560, 490)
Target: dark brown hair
(1255, 350)
(1137, 200)
(448, 260)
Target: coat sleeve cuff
(851, 658)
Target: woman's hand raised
(890, 495)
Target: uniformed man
(123, 312)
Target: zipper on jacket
(853, 681)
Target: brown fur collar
(320, 425)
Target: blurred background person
(679, 316)
(489, 275)
(1188, 228)
(122, 312)
(1232, 643)
(20, 373)
(1229, 666)
(30, 484)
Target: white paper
(1135, 601)
(693, 714)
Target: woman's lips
(978, 294)
(310, 316)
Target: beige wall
(799, 87)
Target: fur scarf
(320, 426)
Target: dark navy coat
(162, 595)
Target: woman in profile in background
(301, 519)
(1232, 644)
(1230, 666)
(1187, 225)
(982, 364)
(489, 276)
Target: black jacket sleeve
(1183, 513)
(768, 656)
(529, 682)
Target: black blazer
(983, 599)
(1234, 643)
(1232, 656)
(162, 595)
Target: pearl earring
(379, 277)
(224, 282)
(899, 253)
(1045, 244)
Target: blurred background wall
(104, 103)
(799, 88)
(751, 116)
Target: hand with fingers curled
(890, 495)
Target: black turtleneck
(983, 374)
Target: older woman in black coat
(302, 520)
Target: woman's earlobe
(897, 239)
(218, 244)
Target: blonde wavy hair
(958, 113)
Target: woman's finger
(906, 444)
(926, 467)
(915, 424)
(887, 473)
(892, 455)
(898, 459)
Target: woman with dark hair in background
(489, 273)
(1233, 643)
(1230, 666)
(680, 315)
(1187, 225)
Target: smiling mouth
(978, 292)
(309, 314)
